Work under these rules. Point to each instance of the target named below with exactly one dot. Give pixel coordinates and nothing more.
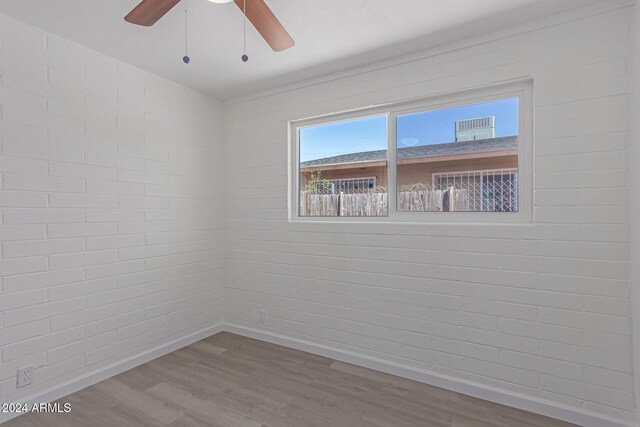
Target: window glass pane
(343, 169)
(462, 159)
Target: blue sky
(432, 127)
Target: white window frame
(522, 89)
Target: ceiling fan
(148, 12)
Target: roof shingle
(422, 151)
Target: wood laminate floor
(228, 380)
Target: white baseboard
(101, 374)
(516, 400)
(493, 394)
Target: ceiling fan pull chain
(245, 58)
(186, 58)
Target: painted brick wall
(540, 309)
(111, 240)
(634, 193)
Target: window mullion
(391, 164)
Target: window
(343, 169)
(467, 154)
(450, 157)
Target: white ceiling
(331, 35)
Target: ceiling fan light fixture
(148, 12)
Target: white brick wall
(110, 231)
(634, 192)
(539, 309)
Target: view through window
(461, 159)
(343, 169)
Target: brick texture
(540, 309)
(111, 233)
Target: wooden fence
(319, 204)
(364, 204)
(457, 200)
(420, 201)
(377, 204)
(450, 200)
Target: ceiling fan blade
(148, 12)
(267, 24)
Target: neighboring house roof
(422, 151)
